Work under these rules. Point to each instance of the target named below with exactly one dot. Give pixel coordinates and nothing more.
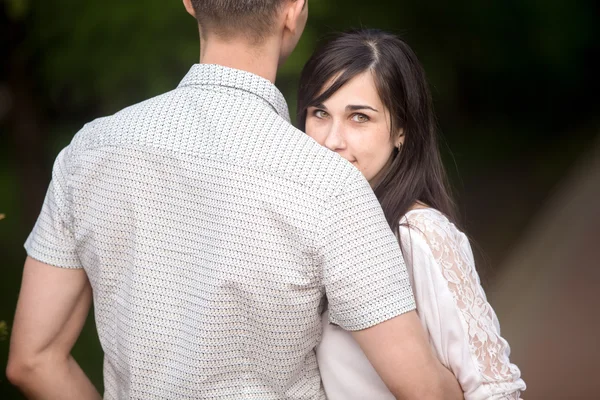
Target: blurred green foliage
(514, 83)
(3, 331)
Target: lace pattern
(453, 254)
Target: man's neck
(260, 60)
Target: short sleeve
(363, 271)
(52, 241)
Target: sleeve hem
(400, 307)
(55, 261)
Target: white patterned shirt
(211, 231)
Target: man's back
(210, 229)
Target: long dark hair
(416, 172)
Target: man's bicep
(52, 238)
(363, 270)
(52, 307)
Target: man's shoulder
(188, 110)
(142, 118)
(295, 156)
(251, 134)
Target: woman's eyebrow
(356, 107)
(320, 105)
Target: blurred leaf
(3, 331)
(17, 9)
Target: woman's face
(354, 123)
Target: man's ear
(293, 12)
(189, 7)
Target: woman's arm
(453, 308)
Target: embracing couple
(232, 255)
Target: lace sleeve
(470, 317)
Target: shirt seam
(325, 201)
(208, 157)
(213, 87)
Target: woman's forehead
(358, 90)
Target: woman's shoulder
(426, 226)
(428, 220)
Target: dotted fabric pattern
(211, 231)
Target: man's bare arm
(400, 353)
(52, 308)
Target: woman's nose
(335, 138)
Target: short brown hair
(227, 18)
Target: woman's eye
(360, 118)
(320, 114)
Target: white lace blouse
(462, 326)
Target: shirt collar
(211, 74)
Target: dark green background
(514, 82)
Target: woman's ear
(399, 138)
